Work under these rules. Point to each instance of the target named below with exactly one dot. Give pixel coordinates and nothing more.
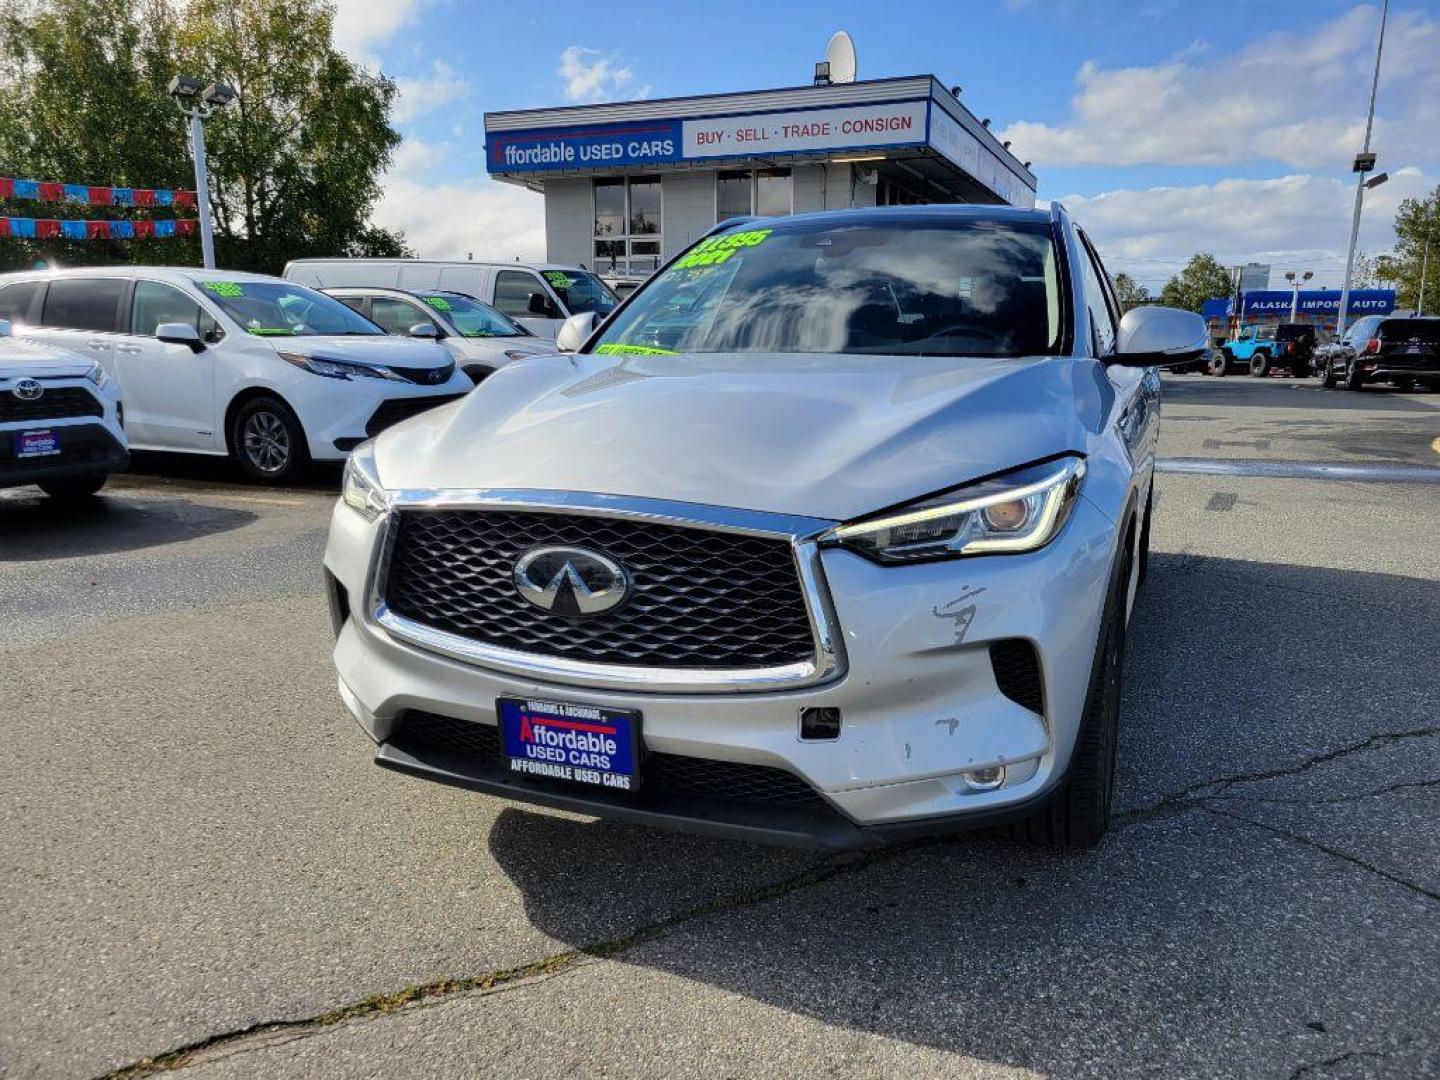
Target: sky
(1165, 127)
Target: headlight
(338, 369)
(361, 489)
(98, 375)
(1019, 511)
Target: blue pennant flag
(164, 197)
(122, 230)
(22, 226)
(164, 228)
(77, 193)
(26, 189)
(124, 196)
(73, 230)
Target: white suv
(219, 362)
(61, 424)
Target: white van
(539, 296)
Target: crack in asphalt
(1405, 785)
(1349, 1055)
(1344, 856)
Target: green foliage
(1130, 292)
(294, 161)
(1202, 278)
(1417, 221)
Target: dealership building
(1319, 307)
(628, 185)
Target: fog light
(816, 723)
(987, 779)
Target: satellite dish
(840, 54)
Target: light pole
(1364, 162)
(1295, 282)
(198, 101)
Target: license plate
(580, 744)
(33, 444)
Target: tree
(1130, 292)
(1417, 225)
(1202, 279)
(294, 161)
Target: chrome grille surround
(825, 664)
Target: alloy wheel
(266, 442)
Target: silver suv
(829, 534)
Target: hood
(815, 435)
(380, 349)
(20, 358)
(495, 348)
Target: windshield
(285, 310)
(581, 292)
(471, 318)
(918, 287)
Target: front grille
(397, 409)
(423, 375)
(699, 598)
(58, 404)
(421, 734)
(1017, 673)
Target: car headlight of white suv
(361, 489)
(1015, 512)
(99, 376)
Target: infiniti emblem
(28, 389)
(571, 580)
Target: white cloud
(591, 75)
(419, 96)
(1293, 223)
(415, 157)
(446, 221)
(1293, 97)
(360, 25)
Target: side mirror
(574, 331)
(1159, 337)
(541, 305)
(424, 330)
(179, 333)
(5, 328)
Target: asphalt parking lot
(203, 871)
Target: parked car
(61, 421)
(817, 540)
(478, 336)
(1294, 351)
(1401, 350)
(539, 296)
(217, 362)
(622, 285)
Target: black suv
(1403, 351)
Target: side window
(354, 303)
(512, 292)
(15, 300)
(154, 304)
(84, 304)
(396, 316)
(1097, 299)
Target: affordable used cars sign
(551, 149)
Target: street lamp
(1364, 163)
(1295, 282)
(198, 101)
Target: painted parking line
(1301, 470)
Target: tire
(1405, 386)
(74, 487)
(1301, 370)
(1144, 553)
(1260, 365)
(1077, 813)
(1218, 364)
(1353, 379)
(268, 441)
(1328, 379)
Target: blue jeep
(1265, 349)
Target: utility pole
(1296, 280)
(1363, 164)
(198, 101)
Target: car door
(513, 290)
(82, 315)
(169, 389)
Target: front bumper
(85, 449)
(917, 691)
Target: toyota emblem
(28, 389)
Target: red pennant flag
(4, 226)
(7, 187)
(185, 226)
(97, 230)
(184, 198)
(47, 227)
(144, 196)
(102, 196)
(144, 228)
(51, 191)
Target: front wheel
(74, 487)
(268, 441)
(1328, 380)
(1260, 365)
(1353, 379)
(1218, 364)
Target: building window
(626, 208)
(746, 193)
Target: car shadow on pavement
(37, 529)
(1194, 941)
(207, 470)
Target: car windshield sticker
(716, 249)
(223, 288)
(619, 348)
(270, 331)
(559, 279)
(439, 303)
